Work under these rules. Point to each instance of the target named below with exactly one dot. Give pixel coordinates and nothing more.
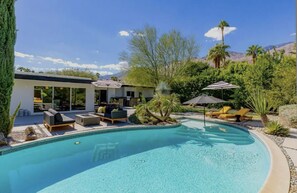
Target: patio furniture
(240, 115)
(204, 99)
(52, 118)
(113, 113)
(223, 110)
(87, 119)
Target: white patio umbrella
(221, 85)
(204, 99)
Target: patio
(36, 121)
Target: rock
(30, 134)
(3, 140)
(288, 116)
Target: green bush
(274, 128)
(134, 119)
(185, 109)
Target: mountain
(120, 75)
(239, 56)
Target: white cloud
(68, 63)
(216, 33)
(122, 65)
(293, 34)
(124, 33)
(22, 55)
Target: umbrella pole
(204, 114)
(222, 93)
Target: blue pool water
(188, 158)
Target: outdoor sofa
(112, 113)
(52, 118)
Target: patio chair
(240, 115)
(52, 118)
(223, 110)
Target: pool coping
(27, 144)
(278, 179)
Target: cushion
(115, 110)
(108, 109)
(100, 110)
(57, 116)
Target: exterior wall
(23, 91)
(111, 92)
(148, 92)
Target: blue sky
(57, 34)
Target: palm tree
(222, 26)
(254, 51)
(218, 54)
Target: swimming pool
(187, 158)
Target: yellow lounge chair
(223, 110)
(242, 113)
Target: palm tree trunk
(222, 36)
(264, 119)
(254, 59)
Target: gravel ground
(279, 141)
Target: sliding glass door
(59, 98)
(78, 99)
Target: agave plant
(259, 104)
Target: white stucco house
(38, 92)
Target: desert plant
(274, 128)
(157, 110)
(7, 42)
(260, 105)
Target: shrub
(260, 105)
(184, 109)
(274, 128)
(134, 119)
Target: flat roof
(51, 77)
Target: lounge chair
(223, 110)
(52, 118)
(239, 115)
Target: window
(61, 99)
(42, 98)
(130, 94)
(78, 99)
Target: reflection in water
(105, 152)
(215, 134)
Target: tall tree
(254, 51)
(218, 54)
(7, 42)
(222, 26)
(155, 59)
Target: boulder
(3, 140)
(288, 115)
